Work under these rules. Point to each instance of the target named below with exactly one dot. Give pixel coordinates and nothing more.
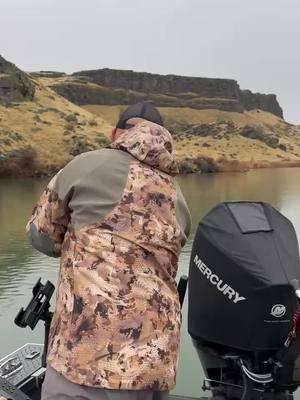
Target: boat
(245, 264)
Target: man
(118, 220)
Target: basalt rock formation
(15, 85)
(265, 102)
(112, 87)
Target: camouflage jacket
(118, 220)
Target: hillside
(39, 130)
(213, 140)
(214, 124)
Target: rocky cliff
(163, 84)
(109, 87)
(265, 102)
(83, 92)
(15, 85)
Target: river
(21, 266)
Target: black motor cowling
(243, 284)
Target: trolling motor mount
(38, 310)
(38, 307)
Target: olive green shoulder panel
(93, 184)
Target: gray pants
(56, 387)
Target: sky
(254, 42)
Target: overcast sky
(255, 42)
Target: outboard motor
(243, 302)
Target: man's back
(117, 219)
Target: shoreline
(28, 167)
(210, 165)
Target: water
(21, 266)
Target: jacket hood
(150, 143)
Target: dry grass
(192, 116)
(243, 148)
(109, 113)
(43, 127)
(238, 153)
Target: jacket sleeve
(183, 216)
(48, 224)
